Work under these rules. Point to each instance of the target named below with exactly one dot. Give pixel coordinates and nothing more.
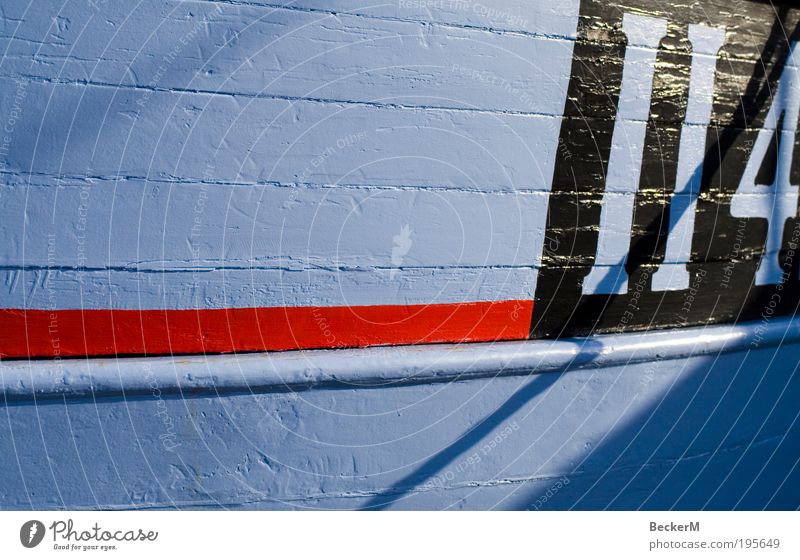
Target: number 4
(776, 202)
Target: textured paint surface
(97, 332)
(175, 156)
(255, 158)
(672, 274)
(725, 248)
(716, 431)
(216, 176)
(608, 275)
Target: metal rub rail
(367, 368)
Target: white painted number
(608, 275)
(673, 274)
(776, 202)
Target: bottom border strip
(27, 333)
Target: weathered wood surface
(226, 155)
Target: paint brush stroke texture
(214, 177)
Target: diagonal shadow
(620, 487)
(724, 434)
(538, 385)
(759, 91)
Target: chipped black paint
(726, 250)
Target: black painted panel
(726, 250)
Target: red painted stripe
(103, 332)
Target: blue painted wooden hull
(399, 157)
(613, 422)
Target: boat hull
(601, 423)
(417, 255)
